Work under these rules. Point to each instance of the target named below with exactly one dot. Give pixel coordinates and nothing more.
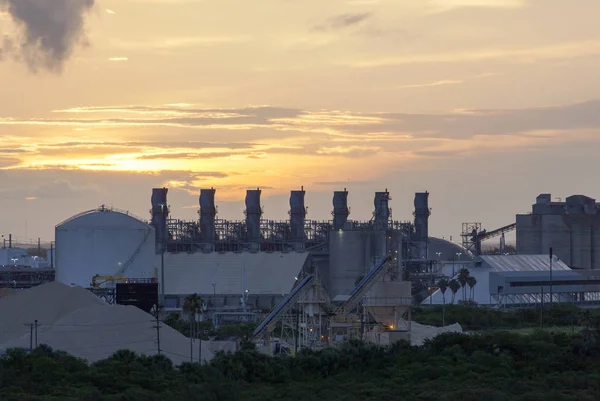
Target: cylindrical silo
(103, 242)
(351, 255)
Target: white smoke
(50, 29)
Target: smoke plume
(50, 29)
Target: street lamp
(453, 261)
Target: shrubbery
(489, 366)
(482, 318)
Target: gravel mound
(74, 320)
(5, 292)
(96, 332)
(46, 303)
(420, 332)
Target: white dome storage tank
(105, 242)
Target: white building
(221, 278)
(19, 257)
(519, 280)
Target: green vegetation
(473, 318)
(206, 330)
(491, 366)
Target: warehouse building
(521, 280)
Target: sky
(483, 103)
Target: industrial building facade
(570, 227)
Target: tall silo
(297, 215)
(253, 214)
(104, 242)
(340, 209)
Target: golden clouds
(272, 146)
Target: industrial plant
(308, 283)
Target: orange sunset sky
(484, 103)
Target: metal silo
(105, 242)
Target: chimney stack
(160, 212)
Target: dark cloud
(204, 155)
(13, 150)
(439, 153)
(50, 30)
(279, 122)
(585, 115)
(162, 145)
(342, 183)
(55, 189)
(343, 21)
(6, 45)
(9, 161)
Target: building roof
(265, 273)
(103, 214)
(514, 263)
(447, 249)
(507, 264)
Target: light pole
(453, 261)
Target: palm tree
(463, 276)
(454, 286)
(443, 286)
(471, 282)
(193, 305)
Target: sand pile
(6, 292)
(74, 320)
(419, 332)
(45, 303)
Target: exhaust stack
(297, 215)
(160, 212)
(340, 209)
(208, 213)
(253, 214)
(382, 210)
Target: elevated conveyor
(364, 286)
(284, 306)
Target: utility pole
(30, 336)
(157, 332)
(156, 310)
(542, 308)
(199, 345)
(36, 333)
(550, 275)
(297, 330)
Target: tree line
(489, 366)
